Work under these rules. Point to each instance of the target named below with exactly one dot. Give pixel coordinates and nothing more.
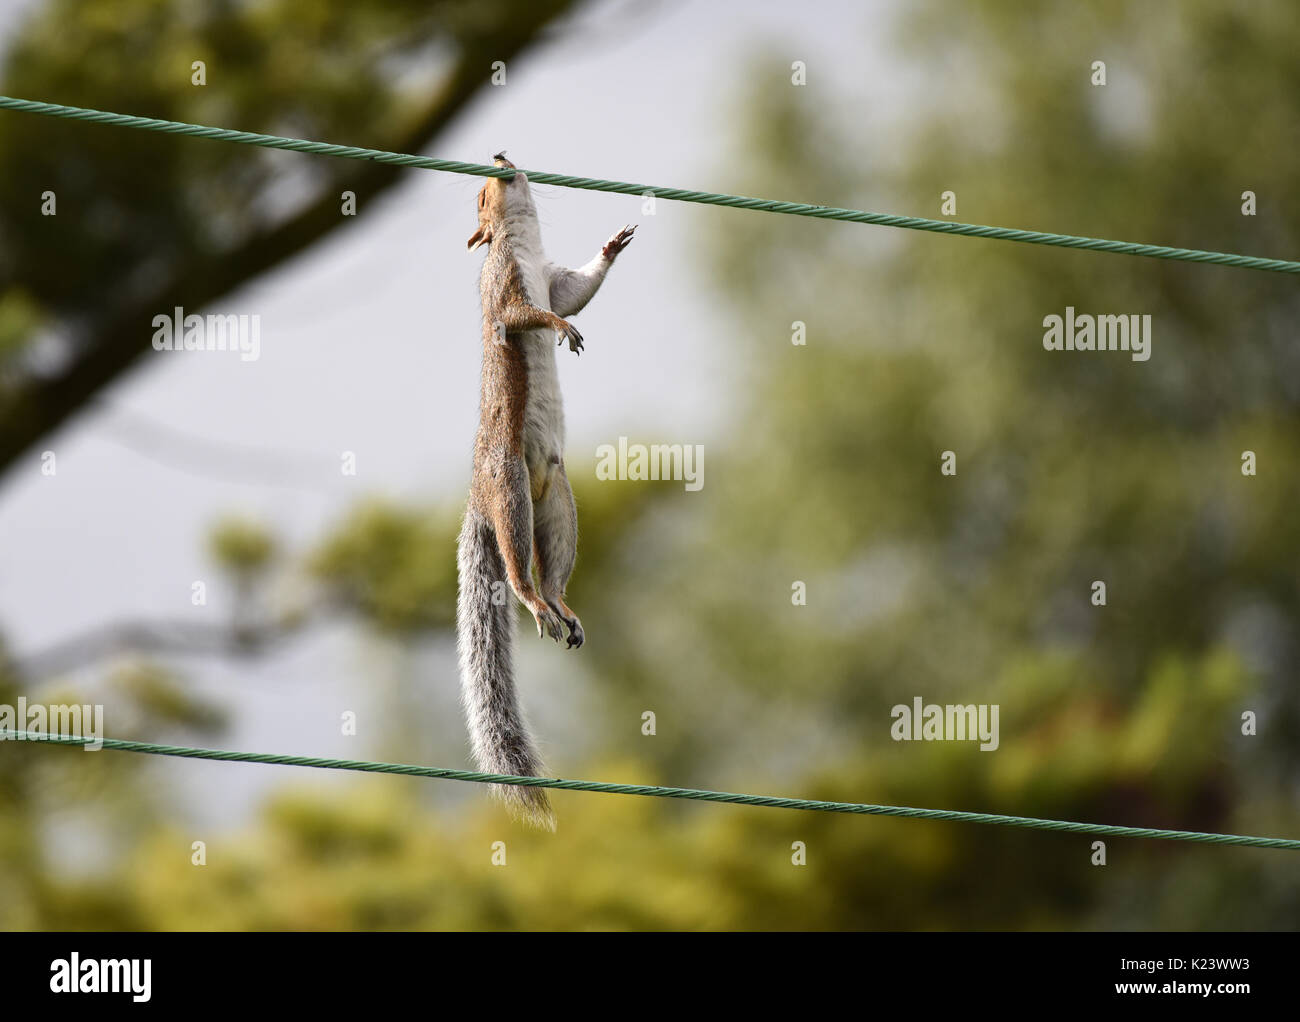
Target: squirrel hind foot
(548, 623)
(576, 635)
(556, 602)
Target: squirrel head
(496, 200)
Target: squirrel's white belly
(544, 411)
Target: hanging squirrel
(519, 497)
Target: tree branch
(178, 638)
(118, 342)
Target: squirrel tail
(485, 633)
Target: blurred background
(330, 596)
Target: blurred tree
(148, 222)
(1072, 467)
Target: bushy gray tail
(485, 637)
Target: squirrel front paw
(566, 331)
(619, 241)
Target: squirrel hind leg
(555, 541)
(512, 526)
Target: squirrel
(520, 501)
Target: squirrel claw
(619, 241)
(568, 332)
(548, 624)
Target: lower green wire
(656, 791)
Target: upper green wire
(656, 791)
(914, 223)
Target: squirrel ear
(482, 236)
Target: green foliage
(139, 203)
(241, 546)
(369, 854)
(156, 698)
(19, 319)
(393, 565)
(1072, 467)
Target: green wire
(655, 791)
(913, 223)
